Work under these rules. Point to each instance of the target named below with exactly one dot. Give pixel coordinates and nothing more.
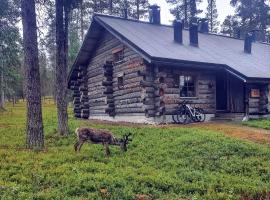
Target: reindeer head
(124, 141)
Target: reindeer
(103, 137)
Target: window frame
(120, 86)
(116, 52)
(195, 77)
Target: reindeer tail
(77, 132)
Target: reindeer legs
(78, 145)
(106, 147)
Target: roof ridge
(129, 19)
(170, 26)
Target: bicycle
(186, 114)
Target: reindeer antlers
(126, 137)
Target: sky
(223, 6)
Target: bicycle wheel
(174, 117)
(182, 117)
(200, 115)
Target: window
(118, 55)
(120, 82)
(187, 86)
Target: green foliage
(253, 15)
(212, 15)
(162, 163)
(231, 26)
(259, 123)
(184, 9)
(10, 49)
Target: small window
(120, 82)
(118, 56)
(187, 86)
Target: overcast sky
(223, 6)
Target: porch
(237, 97)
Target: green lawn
(259, 123)
(161, 163)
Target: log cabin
(135, 71)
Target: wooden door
(221, 91)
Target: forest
(57, 29)
(39, 42)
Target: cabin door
(236, 95)
(221, 91)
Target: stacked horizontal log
(98, 86)
(259, 105)
(108, 91)
(166, 80)
(105, 98)
(128, 99)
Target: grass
(259, 123)
(161, 163)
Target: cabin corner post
(268, 98)
(83, 89)
(74, 86)
(147, 85)
(264, 101)
(246, 101)
(80, 94)
(159, 81)
(108, 92)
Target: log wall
(166, 92)
(105, 97)
(259, 105)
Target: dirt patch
(238, 131)
(4, 126)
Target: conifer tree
(212, 15)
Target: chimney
(203, 26)
(193, 35)
(125, 13)
(178, 31)
(154, 14)
(248, 43)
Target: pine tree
(184, 9)
(254, 15)
(231, 26)
(34, 125)
(212, 15)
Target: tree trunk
(61, 70)
(111, 6)
(186, 14)
(2, 92)
(34, 126)
(211, 15)
(81, 22)
(138, 9)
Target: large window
(187, 84)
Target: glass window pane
(187, 86)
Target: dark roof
(155, 42)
